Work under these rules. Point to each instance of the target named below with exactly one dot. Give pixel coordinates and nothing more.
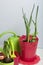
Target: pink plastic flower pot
(28, 49)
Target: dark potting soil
(7, 60)
(24, 40)
(33, 40)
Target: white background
(11, 17)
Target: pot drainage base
(36, 60)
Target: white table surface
(39, 53)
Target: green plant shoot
(27, 23)
(35, 22)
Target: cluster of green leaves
(28, 23)
(8, 48)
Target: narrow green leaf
(2, 34)
(31, 15)
(35, 33)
